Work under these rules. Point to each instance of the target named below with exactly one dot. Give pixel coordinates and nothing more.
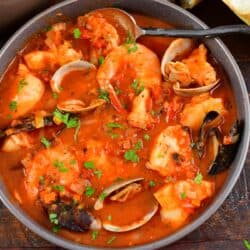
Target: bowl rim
(30, 223)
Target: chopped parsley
(103, 94)
(246, 244)
(70, 122)
(183, 195)
(58, 188)
(137, 87)
(13, 106)
(41, 180)
(101, 60)
(60, 166)
(109, 217)
(21, 84)
(146, 137)
(53, 218)
(98, 173)
(77, 33)
(113, 135)
(56, 228)
(139, 145)
(198, 178)
(131, 155)
(111, 240)
(94, 235)
(45, 142)
(114, 125)
(152, 183)
(55, 95)
(89, 191)
(131, 44)
(102, 196)
(89, 164)
(73, 162)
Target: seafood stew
(93, 125)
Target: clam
(78, 106)
(140, 222)
(177, 50)
(66, 69)
(116, 188)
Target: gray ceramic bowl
(178, 17)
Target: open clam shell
(67, 68)
(178, 48)
(194, 91)
(119, 185)
(78, 106)
(140, 222)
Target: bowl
(178, 17)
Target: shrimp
(102, 35)
(28, 91)
(144, 65)
(17, 142)
(198, 108)
(51, 173)
(180, 199)
(171, 154)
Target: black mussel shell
(225, 152)
(70, 217)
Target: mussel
(72, 217)
(34, 121)
(224, 153)
(177, 50)
(210, 138)
(121, 191)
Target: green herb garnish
(198, 178)
(146, 137)
(55, 95)
(98, 173)
(152, 183)
(111, 240)
(70, 122)
(246, 244)
(45, 142)
(21, 84)
(60, 166)
(103, 94)
(101, 60)
(114, 125)
(56, 228)
(53, 218)
(41, 180)
(94, 235)
(139, 145)
(77, 33)
(135, 85)
(102, 196)
(58, 188)
(13, 106)
(89, 164)
(183, 195)
(131, 155)
(131, 44)
(89, 191)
